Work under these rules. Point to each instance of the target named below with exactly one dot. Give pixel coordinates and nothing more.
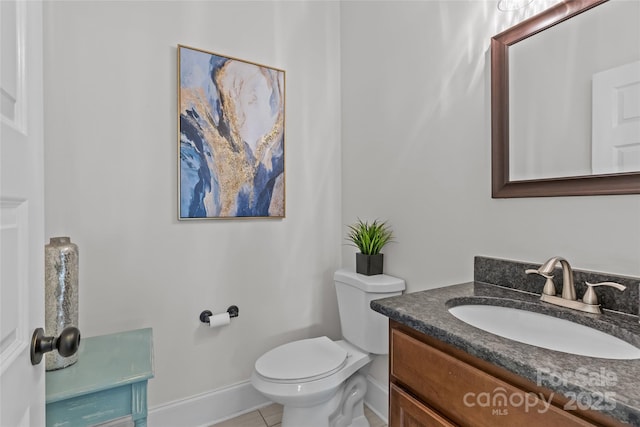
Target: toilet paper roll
(218, 320)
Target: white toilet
(320, 382)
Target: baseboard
(218, 405)
(208, 408)
(377, 398)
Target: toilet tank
(361, 326)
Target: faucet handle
(549, 286)
(590, 296)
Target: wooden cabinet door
(454, 389)
(408, 412)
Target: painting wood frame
(231, 127)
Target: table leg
(139, 403)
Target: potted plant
(369, 238)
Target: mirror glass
(565, 102)
(574, 96)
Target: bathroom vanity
(445, 372)
(433, 383)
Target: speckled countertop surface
(615, 380)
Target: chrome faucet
(589, 301)
(568, 287)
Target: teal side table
(109, 381)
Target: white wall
(111, 173)
(416, 151)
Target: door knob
(67, 343)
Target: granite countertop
(586, 378)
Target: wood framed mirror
(503, 184)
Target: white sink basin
(545, 331)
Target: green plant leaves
(369, 238)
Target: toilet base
(344, 409)
(361, 421)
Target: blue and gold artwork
(231, 132)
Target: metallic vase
(61, 294)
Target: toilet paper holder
(233, 311)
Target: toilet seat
(303, 360)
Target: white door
(616, 120)
(21, 212)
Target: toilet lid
(308, 360)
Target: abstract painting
(231, 137)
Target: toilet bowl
(320, 382)
(308, 374)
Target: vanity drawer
(407, 411)
(465, 394)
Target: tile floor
(271, 416)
